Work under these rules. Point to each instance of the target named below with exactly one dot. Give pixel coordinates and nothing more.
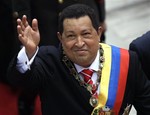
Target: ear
(59, 36)
(99, 31)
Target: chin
(83, 62)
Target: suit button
(60, 1)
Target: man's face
(80, 40)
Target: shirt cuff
(23, 63)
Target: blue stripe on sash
(114, 77)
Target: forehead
(76, 23)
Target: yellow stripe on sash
(104, 85)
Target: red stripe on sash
(124, 64)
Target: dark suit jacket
(60, 93)
(141, 46)
(47, 12)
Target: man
(7, 41)
(47, 12)
(141, 46)
(62, 76)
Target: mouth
(81, 52)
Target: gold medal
(93, 101)
(89, 88)
(104, 111)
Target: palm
(29, 36)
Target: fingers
(24, 21)
(19, 29)
(35, 25)
(22, 24)
(24, 29)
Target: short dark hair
(77, 11)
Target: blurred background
(126, 20)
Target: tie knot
(87, 72)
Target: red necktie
(87, 74)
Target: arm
(141, 46)
(29, 37)
(142, 89)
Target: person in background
(82, 76)
(141, 46)
(8, 39)
(47, 13)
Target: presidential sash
(113, 81)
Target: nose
(79, 41)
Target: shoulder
(141, 44)
(47, 48)
(50, 51)
(142, 41)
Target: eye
(71, 36)
(86, 34)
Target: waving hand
(28, 35)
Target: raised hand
(29, 36)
